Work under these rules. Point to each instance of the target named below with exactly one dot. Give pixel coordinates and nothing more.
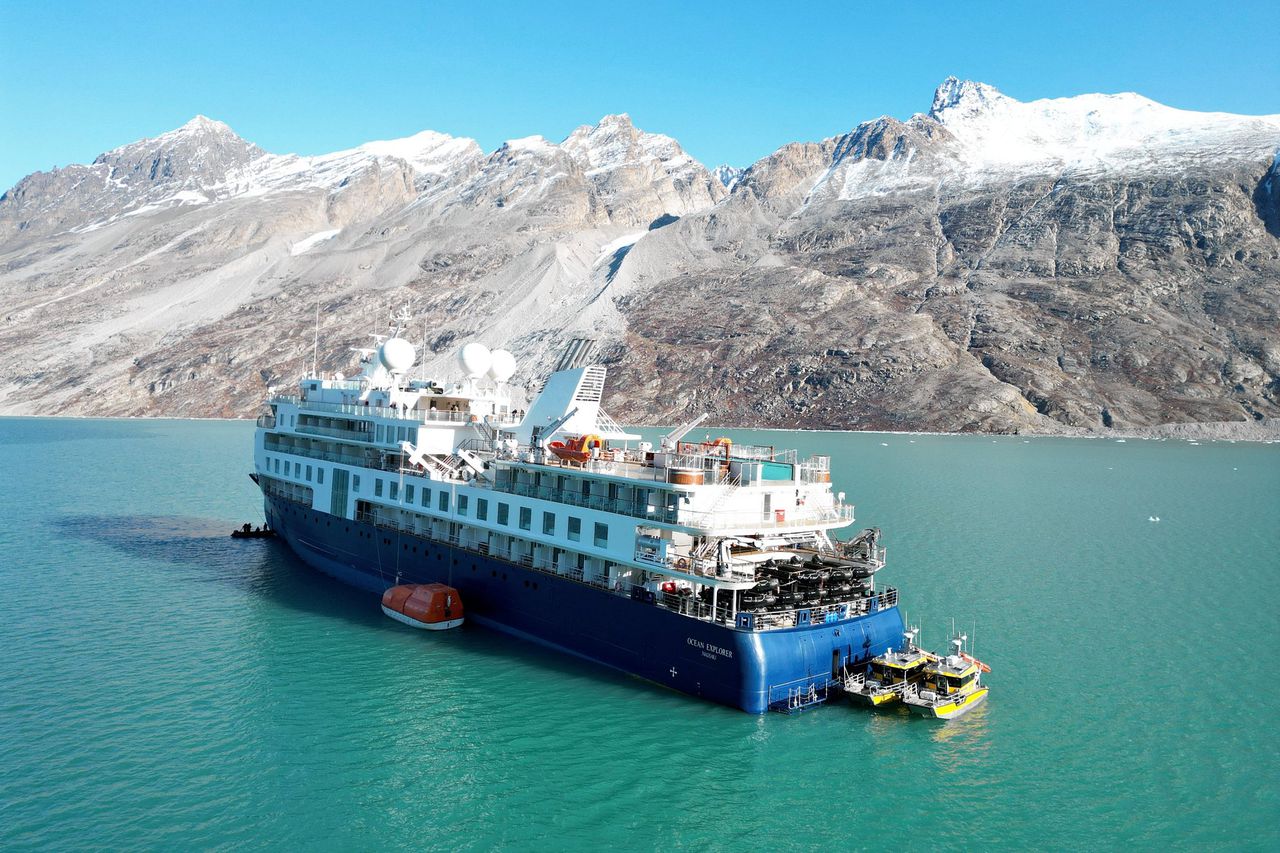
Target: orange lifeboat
(576, 449)
(433, 606)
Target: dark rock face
(1095, 262)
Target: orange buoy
(433, 606)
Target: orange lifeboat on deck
(433, 606)
(576, 449)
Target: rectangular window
(297, 469)
(526, 518)
(549, 523)
(308, 473)
(355, 482)
(277, 465)
(575, 529)
(443, 503)
(462, 504)
(395, 490)
(602, 535)
(482, 509)
(504, 513)
(377, 487)
(319, 475)
(379, 434)
(613, 491)
(408, 493)
(426, 497)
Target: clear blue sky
(732, 83)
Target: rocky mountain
(1100, 261)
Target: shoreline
(1261, 432)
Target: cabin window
(395, 490)
(482, 509)
(408, 493)
(526, 518)
(426, 497)
(379, 434)
(602, 535)
(319, 475)
(549, 523)
(463, 500)
(575, 529)
(355, 482)
(443, 502)
(308, 473)
(504, 513)
(613, 491)
(297, 469)
(277, 465)
(377, 487)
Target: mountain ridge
(931, 277)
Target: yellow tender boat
(889, 674)
(950, 686)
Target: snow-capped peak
(965, 97)
(615, 141)
(727, 175)
(996, 132)
(204, 123)
(428, 152)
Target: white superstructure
(561, 487)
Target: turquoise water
(165, 687)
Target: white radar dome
(503, 366)
(396, 355)
(475, 359)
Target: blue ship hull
(751, 670)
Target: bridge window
(395, 490)
(443, 503)
(408, 493)
(426, 497)
(377, 487)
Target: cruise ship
(709, 567)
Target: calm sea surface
(165, 687)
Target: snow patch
(306, 245)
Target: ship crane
(671, 439)
(542, 433)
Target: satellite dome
(503, 365)
(396, 355)
(475, 359)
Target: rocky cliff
(1099, 261)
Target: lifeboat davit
(433, 606)
(576, 449)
